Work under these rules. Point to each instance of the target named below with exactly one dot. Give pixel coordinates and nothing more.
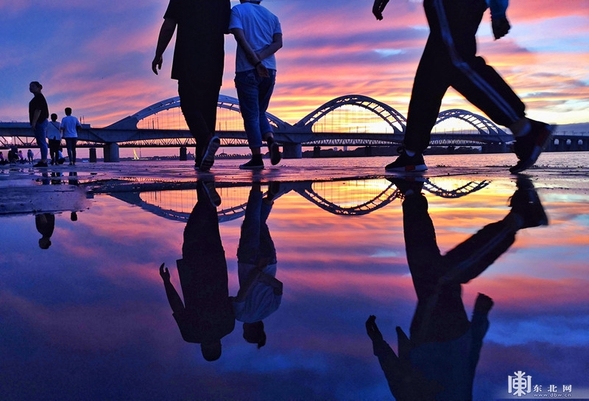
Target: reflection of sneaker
(40, 164)
(253, 164)
(525, 202)
(211, 191)
(208, 158)
(408, 186)
(275, 155)
(528, 147)
(406, 163)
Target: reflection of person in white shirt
(69, 128)
(260, 293)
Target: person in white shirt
(69, 129)
(258, 35)
(54, 137)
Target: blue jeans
(41, 137)
(254, 93)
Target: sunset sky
(95, 56)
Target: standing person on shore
(197, 66)
(54, 137)
(449, 59)
(259, 36)
(69, 128)
(38, 115)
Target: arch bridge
(351, 120)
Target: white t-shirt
(53, 131)
(259, 26)
(68, 126)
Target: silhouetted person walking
(69, 127)
(259, 36)
(449, 59)
(38, 115)
(197, 65)
(206, 315)
(54, 137)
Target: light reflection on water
(88, 317)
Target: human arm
(499, 22)
(165, 35)
(36, 115)
(378, 7)
(250, 54)
(173, 298)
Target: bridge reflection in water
(347, 198)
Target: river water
(88, 317)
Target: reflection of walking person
(197, 65)
(449, 59)
(259, 36)
(439, 359)
(45, 223)
(38, 115)
(69, 128)
(260, 293)
(206, 315)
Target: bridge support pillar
(92, 155)
(292, 151)
(183, 153)
(111, 152)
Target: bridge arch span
(482, 124)
(391, 116)
(224, 102)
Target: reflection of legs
(438, 316)
(473, 256)
(205, 277)
(249, 240)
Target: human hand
(156, 64)
(378, 8)
(262, 70)
(372, 329)
(164, 272)
(483, 303)
(500, 27)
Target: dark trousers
(449, 60)
(198, 103)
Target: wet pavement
(85, 314)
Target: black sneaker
(528, 147)
(40, 164)
(406, 163)
(525, 202)
(275, 155)
(211, 191)
(208, 158)
(253, 164)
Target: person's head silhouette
(254, 333)
(211, 351)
